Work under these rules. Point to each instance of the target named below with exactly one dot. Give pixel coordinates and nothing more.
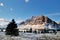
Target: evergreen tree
(11, 29)
(30, 30)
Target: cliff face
(38, 20)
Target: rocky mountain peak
(34, 20)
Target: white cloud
(1, 4)
(2, 19)
(18, 21)
(26, 1)
(3, 22)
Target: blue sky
(24, 9)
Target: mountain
(38, 22)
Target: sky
(25, 9)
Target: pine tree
(11, 29)
(30, 30)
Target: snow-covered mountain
(39, 22)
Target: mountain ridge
(34, 20)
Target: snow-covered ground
(31, 36)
